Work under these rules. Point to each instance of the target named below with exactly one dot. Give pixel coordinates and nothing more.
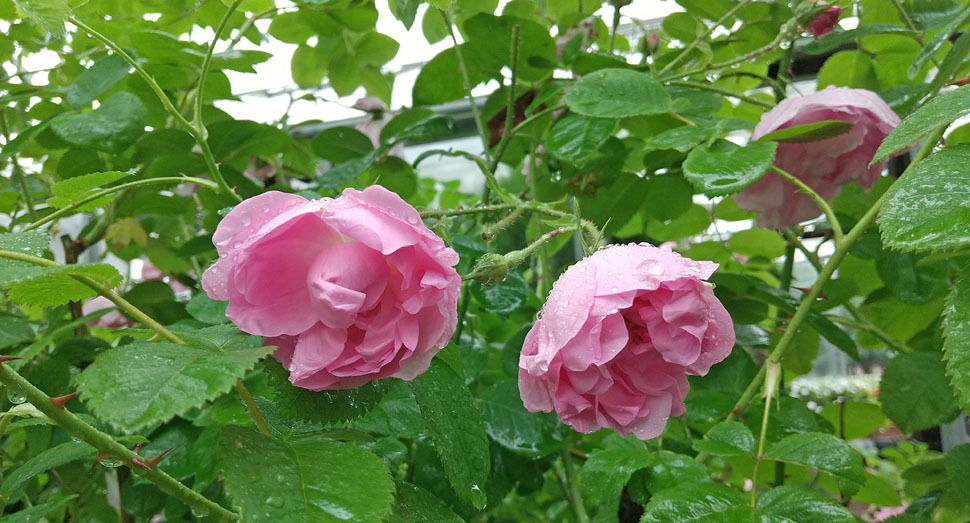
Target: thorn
(137, 448)
(959, 83)
(153, 462)
(97, 459)
(780, 329)
(61, 400)
(807, 290)
(10, 358)
(140, 464)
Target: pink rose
(824, 165)
(111, 320)
(150, 272)
(824, 22)
(617, 336)
(350, 289)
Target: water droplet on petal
(653, 267)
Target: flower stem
(510, 100)
(837, 233)
(199, 127)
(720, 90)
(574, 493)
(107, 445)
(111, 190)
(253, 409)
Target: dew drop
(275, 502)
(111, 463)
(653, 267)
(15, 395)
(614, 289)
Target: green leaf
(728, 438)
(956, 346)
(14, 483)
(668, 469)
(303, 478)
(375, 49)
(405, 11)
(52, 286)
(33, 243)
(723, 168)
(231, 138)
(809, 132)
(413, 504)
(802, 505)
(325, 406)
(915, 393)
(849, 69)
(148, 383)
(510, 425)
(48, 14)
(853, 420)
(698, 502)
(618, 93)
(757, 242)
(927, 209)
(97, 79)
(340, 144)
(23, 137)
(606, 472)
(207, 310)
(574, 138)
(112, 127)
(396, 414)
(940, 110)
(456, 428)
(77, 188)
(684, 138)
(826, 453)
(936, 42)
(957, 462)
(503, 298)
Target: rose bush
(824, 165)
(618, 335)
(350, 289)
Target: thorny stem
(18, 173)
(515, 258)
(693, 45)
(167, 103)
(771, 381)
(111, 190)
(107, 445)
(837, 233)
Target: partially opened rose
(824, 165)
(350, 289)
(617, 337)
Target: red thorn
(138, 463)
(59, 401)
(97, 459)
(763, 354)
(153, 462)
(137, 448)
(780, 329)
(10, 358)
(959, 83)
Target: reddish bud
(823, 23)
(59, 401)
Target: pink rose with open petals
(824, 165)
(617, 337)
(350, 289)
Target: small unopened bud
(653, 39)
(491, 268)
(824, 22)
